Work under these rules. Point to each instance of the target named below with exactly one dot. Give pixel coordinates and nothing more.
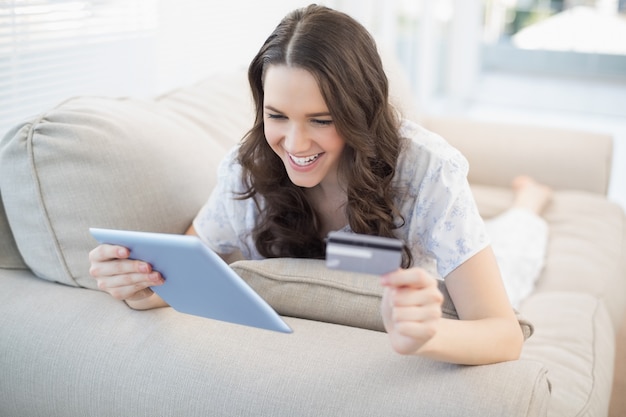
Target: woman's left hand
(411, 308)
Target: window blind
(54, 49)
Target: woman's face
(299, 128)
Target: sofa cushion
(102, 162)
(305, 288)
(584, 161)
(9, 254)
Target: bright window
(557, 37)
(53, 49)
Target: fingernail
(154, 277)
(144, 268)
(121, 252)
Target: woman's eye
(323, 122)
(275, 116)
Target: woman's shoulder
(424, 148)
(230, 159)
(230, 169)
(417, 137)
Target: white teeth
(304, 161)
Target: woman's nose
(296, 139)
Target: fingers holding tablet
(123, 278)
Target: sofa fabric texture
(9, 254)
(70, 350)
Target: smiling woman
(328, 151)
(320, 62)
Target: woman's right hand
(123, 278)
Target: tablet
(197, 280)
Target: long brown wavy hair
(341, 54)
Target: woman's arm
(487, 330)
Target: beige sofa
(67, 349)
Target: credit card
(363, 253)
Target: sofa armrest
(497, 152)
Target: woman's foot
(530, 194)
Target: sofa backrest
(565, 159)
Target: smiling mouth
(307, 160)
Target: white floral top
(442, 225)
